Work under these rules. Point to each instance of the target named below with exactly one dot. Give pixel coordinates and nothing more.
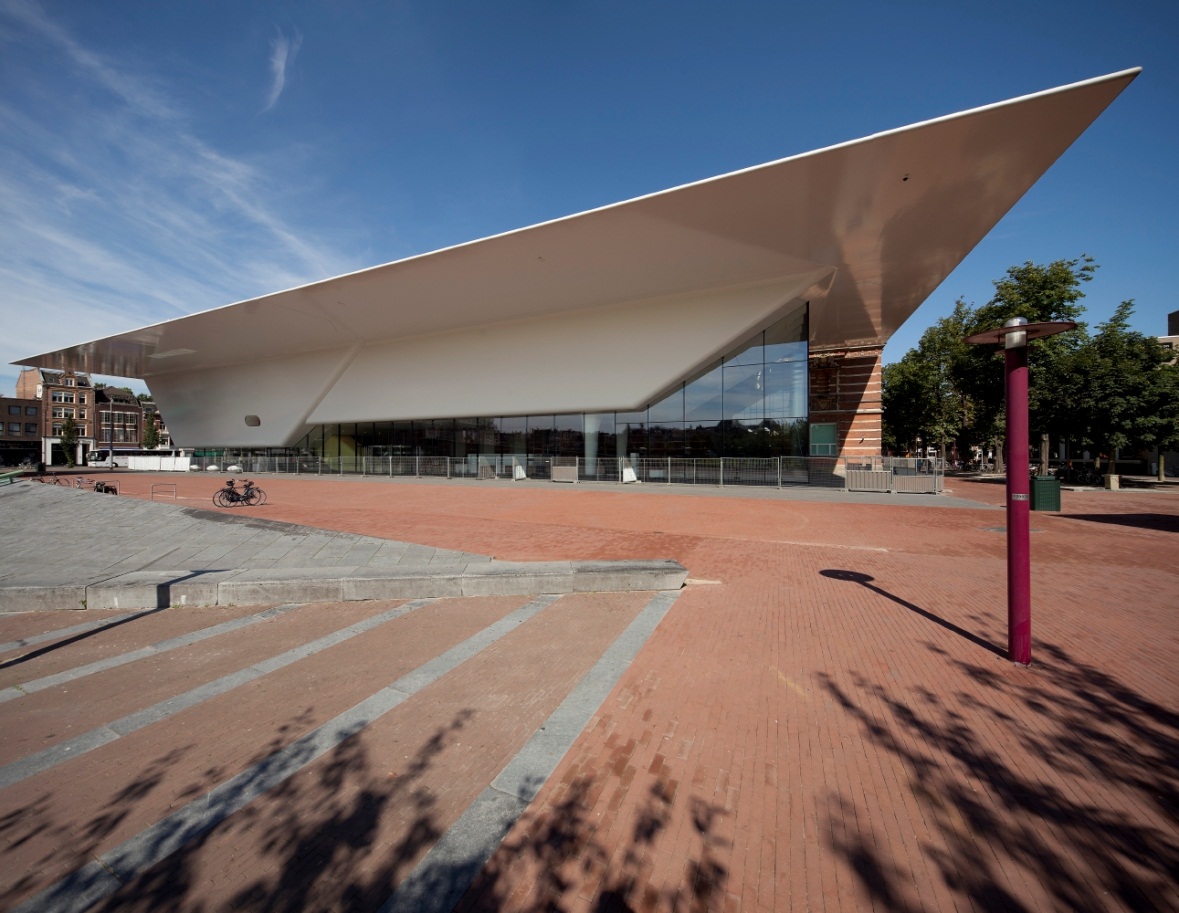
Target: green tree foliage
(1037, 293)
(151, 435)
(921, 395)
(1110, 391)
(1125, 396)
(69, 440)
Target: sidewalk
(823, 718)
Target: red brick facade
(845, 391)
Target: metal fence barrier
(880, 474)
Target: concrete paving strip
(113, 662)
(101, 877)
(64, 751)
(440, 880)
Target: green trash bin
(1045, 493)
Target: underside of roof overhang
(604, 309)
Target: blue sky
(158, 159)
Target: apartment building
(46, 399)
(20, 430)
(120, 419)
(62, 395)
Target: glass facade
(752, 402)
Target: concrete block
(614, 576)
(509, 578)
(33, 598)
(258, 587)
(156, 589)
(398, 583)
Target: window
(14, 427)
(30, 410)
(62, 396)
(823, 441)
(1, 428)
(30, 428)
(14, 410)
(69, 382)
(56, 429)
(62, 412)
(81, 413)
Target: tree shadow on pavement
(318, 837)
(1059, 789)
(559, 858)
(313, 840)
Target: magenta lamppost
(1014, 336)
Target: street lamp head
(1017, 336)
(1022, 331)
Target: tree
(1128, 395)
(151, 434)
(69, 440)
(921, 397)
(1037, 293)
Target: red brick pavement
(56, 714)
(828, 723)
(38, 660)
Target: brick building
(45, 399)
(20, 430)
(62, 395)
(120, 419)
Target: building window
(62, 412)
(30, 428)
(823, 441)
(56, 430)
(14, 427)
(69, 382)
(14, 410)
(81, 413)
(30, 410)
(62, 396)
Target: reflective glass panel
(744, 392)
(664, 440)
(748, 354)
(786, 389)
(668, 409)
(702, 397)
(567, 435)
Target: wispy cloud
(115, 212)
(283, 51)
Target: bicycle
(229, 496)
(1079, 475)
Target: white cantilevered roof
(864, 231)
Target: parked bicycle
(1079, 475)
(230, 496)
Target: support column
(845, 390)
